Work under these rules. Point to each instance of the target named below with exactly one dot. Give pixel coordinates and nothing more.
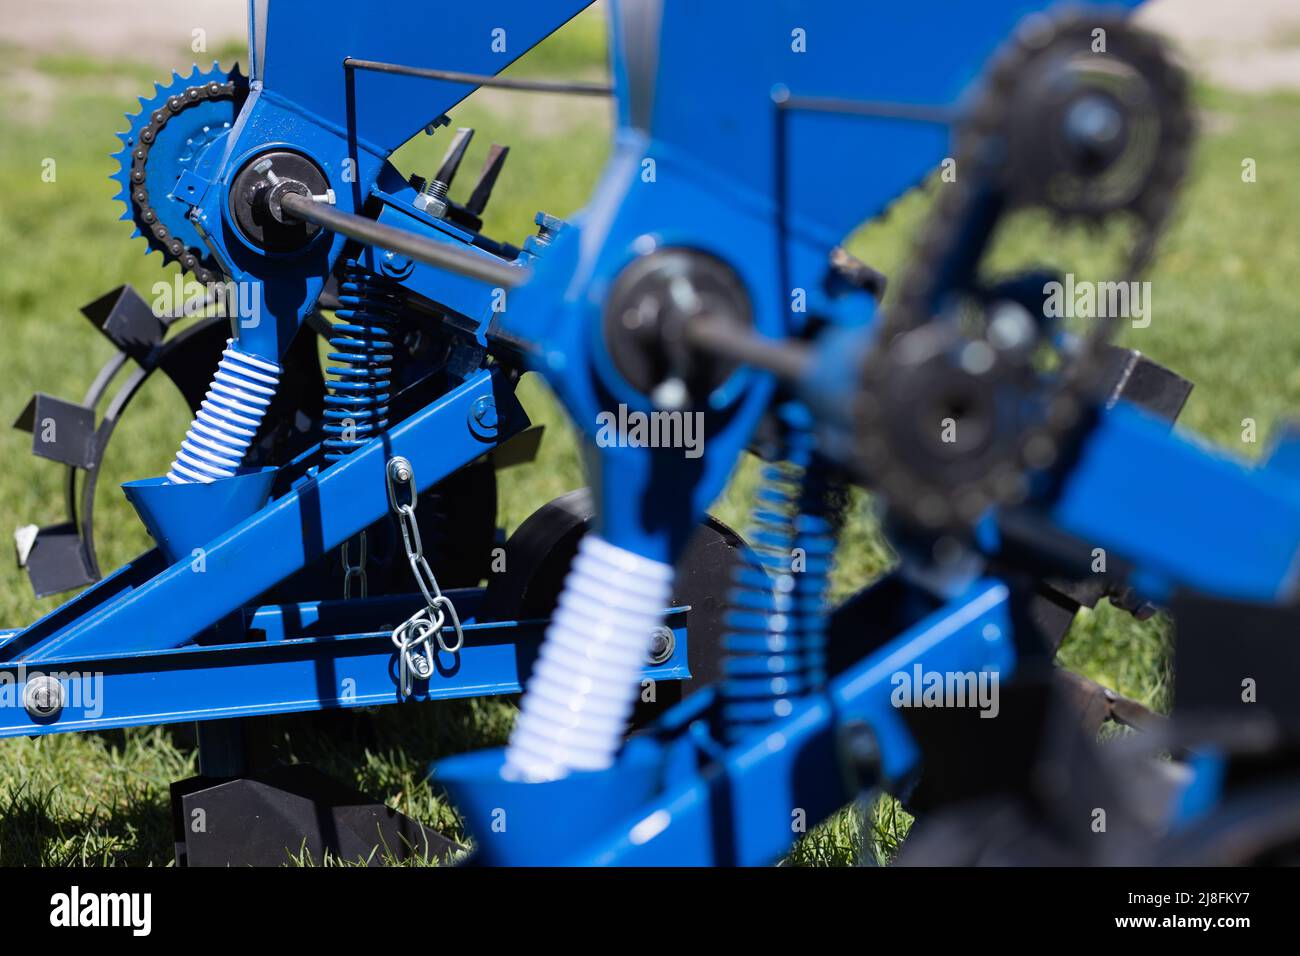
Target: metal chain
(981, 154)
(412, 636)
(354, 572)
(158, 235)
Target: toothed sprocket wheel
(954, 415)
(171, 135)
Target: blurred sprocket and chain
(1086, 120)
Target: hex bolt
(263, 166)
(433, 199)
(663, 642)
(43, 697)
(400, 470)
(547, 227)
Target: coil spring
(227, 421)
(776, 627)
(357, 389)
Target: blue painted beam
(286, 672)
(1182, 514)
(657, 807)
(797, 764)
(174, 606)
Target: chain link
(354, 572)
(413, 637)
(933, 494)
(146, 217)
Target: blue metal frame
(303, 97)
(1183, 515)
(138, 627)
(686, 801)
(144, 607)
(288, 658)
(677, 798)
(735, 175)
(734, 179)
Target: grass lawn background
(1223, 315)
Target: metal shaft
(917, 112)
(787, 360)
(420, 248)
(477, 79)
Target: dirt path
(153, 31)
(1249, 45)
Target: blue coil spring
(776, 626)
(358, 382)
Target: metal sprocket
(170, 135)
(915, 362)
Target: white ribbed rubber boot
(581, 693)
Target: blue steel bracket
(1182, 515)
(303, 98)
(477, 301)
(676, 798)
(311, 656)
(739, 175)
(147, 607)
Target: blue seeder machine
(322, 535)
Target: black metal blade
(455, 153)
(57, 561)
(487, 179)
(61, 431)
(127, 321)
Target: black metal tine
(487, 179)
(455, 153)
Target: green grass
(1224, 316)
